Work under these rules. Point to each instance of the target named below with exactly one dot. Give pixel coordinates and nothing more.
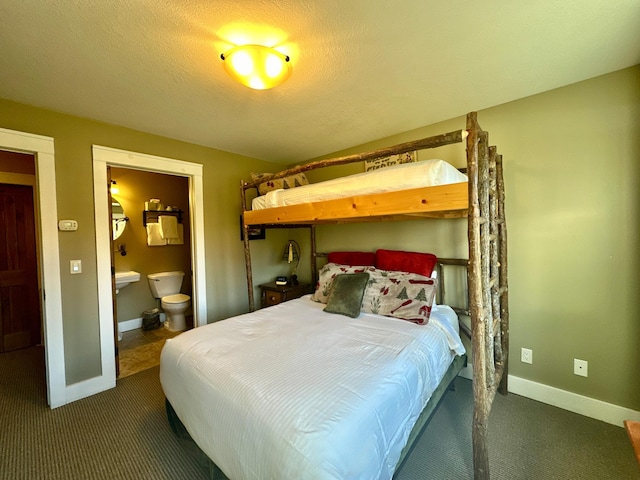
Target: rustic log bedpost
(504, 279)
(314, 266)
(488, 285)
(247, 248)
(476, 308)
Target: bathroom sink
(125, 278)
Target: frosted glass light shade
(257, 66)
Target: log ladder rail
(487, 236)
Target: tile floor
(140, 349)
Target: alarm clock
(281, 280)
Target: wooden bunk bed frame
(481, 200)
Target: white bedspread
(292, 392)
(398, 177)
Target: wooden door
(19, 299)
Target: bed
(234, 429)
(480, 199)
(292, 391)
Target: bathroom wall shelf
(151, 216)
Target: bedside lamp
(292, 255)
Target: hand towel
(168, 226)
(180, 239)
(154, 238)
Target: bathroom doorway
(104, 157)
(131, 189)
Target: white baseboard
(135, 323)
(573, 402)
(132, 324)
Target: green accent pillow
(346, 294)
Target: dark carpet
(124, 434)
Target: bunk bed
(187, 364)
(481, 200)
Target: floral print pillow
(407, 296)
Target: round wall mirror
(118, 218)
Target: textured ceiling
(362, 69)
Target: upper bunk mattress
(291, 391)
(426, 173)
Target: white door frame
(106, 156)
(43, 149)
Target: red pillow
(353, 258)
(411, 262)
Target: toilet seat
(176, 298)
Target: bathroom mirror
(118, 218)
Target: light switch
(75, 266)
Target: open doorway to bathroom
(107, 157)
(138, 347)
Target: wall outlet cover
(581, 367)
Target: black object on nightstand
(273, 294)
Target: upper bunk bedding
(291, 391)
(429, 188)
(426, 173)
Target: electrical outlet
(526, 355)
(580, 367)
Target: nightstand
(273, 294)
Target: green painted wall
(572, 170)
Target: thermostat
(68, 225)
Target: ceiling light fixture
(257, 66)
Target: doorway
(131, 189)
(104, 157)
(42, 149)
(20, 317)
(20, 308)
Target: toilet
(166, 286)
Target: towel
(180, 239)
(168, 226)
(154, 238)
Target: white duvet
(292, 392)
(398, 177)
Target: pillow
(326, 276)
(346, 294)
(408, 296)
(293, 181)
(411, 262)
(352, 258)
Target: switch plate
(526, 355)
(75, 266)
(581, 367)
